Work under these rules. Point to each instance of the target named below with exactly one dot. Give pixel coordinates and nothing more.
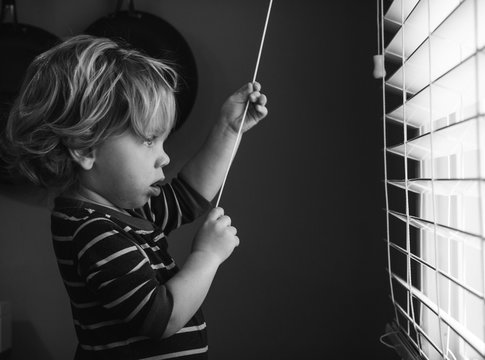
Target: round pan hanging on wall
(157, 38)
(19, 45)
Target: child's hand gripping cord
(233, 110)
(216, 237)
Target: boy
(90, 122)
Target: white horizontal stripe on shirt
(162, 266)
(145, 260)
(126, 296)
(140, 264)
(84, 305)
(143, 232)
(147, 246)
(87, 223)
(90, 276)
(192, 328)
(74, 283)
(115, 255)
(141, 250)
(105, 283)
(179, 211)
(66, 217)
(158, 237)
(94, 241)
(178, 354)
(165, 212)
(114, 344)
(97, 325)
(139, 307)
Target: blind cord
(479, 155)
(380, 32)
(379, 50)
(239, 133)
(383, 342)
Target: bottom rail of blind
(401, 343)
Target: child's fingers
(262, 100)
(224, 221)
(243, 93)
(254, 96)
(249, 88)
(258, 98)
(262, 110)
(232, 230)
(215, 213)
(246, 89)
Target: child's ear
(85, 158)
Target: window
(434, 134)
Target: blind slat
(416, 25)
(465, 334)
(442, 187)
(450, 140)
(394, 12)
(454, 91)
(472, 240)
(420, 329)
(451, 278)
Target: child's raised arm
(205, 172)
(217, 238)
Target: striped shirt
(114, 268)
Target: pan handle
(131, 6)
(9, 12)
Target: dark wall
(305, 192)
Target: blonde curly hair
(78, 94)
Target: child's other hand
(216, 236)
(233, 109)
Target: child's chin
(136, 202)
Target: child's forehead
(153, 128)
(155, 114)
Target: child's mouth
(155, 190)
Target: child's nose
(163, 160)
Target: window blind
(434, 161)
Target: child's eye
(149, 141)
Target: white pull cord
(239, 133)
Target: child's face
(125, 168)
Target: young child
(90, 122)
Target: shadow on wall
(36, 349)
(29, 280)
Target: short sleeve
(120, 277)
(177, 204)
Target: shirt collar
(135, 219)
